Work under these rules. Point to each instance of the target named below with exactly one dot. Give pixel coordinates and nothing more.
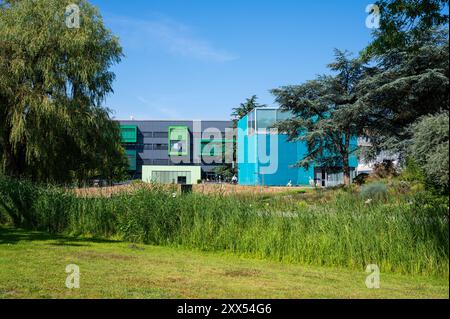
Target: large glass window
(160, 147)
(251, 124)
(265, 119)
(160, 134)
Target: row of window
(205, 151)
(261, 120)
(164, 162)
(155, 134)
(150, 147)
(156, 147)
(161, 162)
(207, 148)
(166, 135)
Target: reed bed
(407, 234)
(207, 188)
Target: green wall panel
(128, 133)
(178, 140)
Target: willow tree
(54, 76)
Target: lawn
(32, 265)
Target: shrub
(413, 172)
(361, 179)
(386, 169)
(429, 148)
(401, 187)
(375, 191)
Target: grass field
(32, 265)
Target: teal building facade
(267, 158)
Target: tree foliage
(405, 24)
(405, 101)
(429, 147)
(405, 87)
(53, 80)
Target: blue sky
(197, 59)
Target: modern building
(180, 152)
(268, 158)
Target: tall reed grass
(406, 235)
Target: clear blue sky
(197, 59)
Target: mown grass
(406, 234)
(32, 265)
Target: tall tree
(53, 79)
(410, 50)
(324, 114)
(406, 86)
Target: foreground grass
(32, 265)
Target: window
(178, 147)
(148, 147)
(211, 148)
(147, 134)
(160, 135)
(160, 147)
(128, 133)
(251, 123)
(265, 119)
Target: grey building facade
(162, 143)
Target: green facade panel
(128, 133)
(178, 140)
